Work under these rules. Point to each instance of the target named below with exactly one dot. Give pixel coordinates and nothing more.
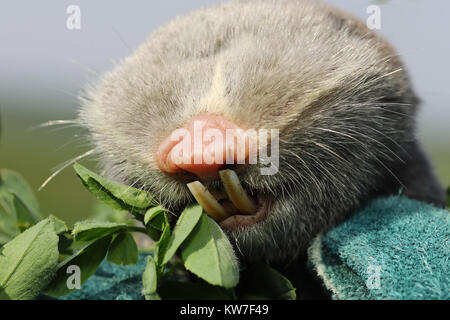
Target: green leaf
(11, 182)
(156, 217)
(123, 250)
(8, 227)
(150, 280)
(156, 221)
(274, 287)
(8, 222)
(154, 234)
(87, 260)
(153, 296)
(60, 226)
(4, 237)
(177, 290)
(185, 224)
(28, 262)
(116, 195)
(208, 254)
(25, 217)
(103, 212)
(89, 230)
(65, 243)
(161, 247)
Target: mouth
(232, 206)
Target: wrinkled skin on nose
(204, 145)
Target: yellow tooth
(212, 207)
(236, 192)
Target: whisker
(392, 173)
(92, 71)
(67, 164)
(326, 148)
(79, 140)
(378, 142)
(122, 40)
(54, 123)
(312, 175)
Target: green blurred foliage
(36, 153)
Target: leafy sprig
(195, 260)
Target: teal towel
(392, 248)
(113, 282)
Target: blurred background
(44, 65)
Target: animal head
(335, 91)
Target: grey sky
(44, 63)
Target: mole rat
(337, 93)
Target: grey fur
(338, 93)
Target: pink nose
(204, 145)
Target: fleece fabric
(392, 248)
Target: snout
(203, 146)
